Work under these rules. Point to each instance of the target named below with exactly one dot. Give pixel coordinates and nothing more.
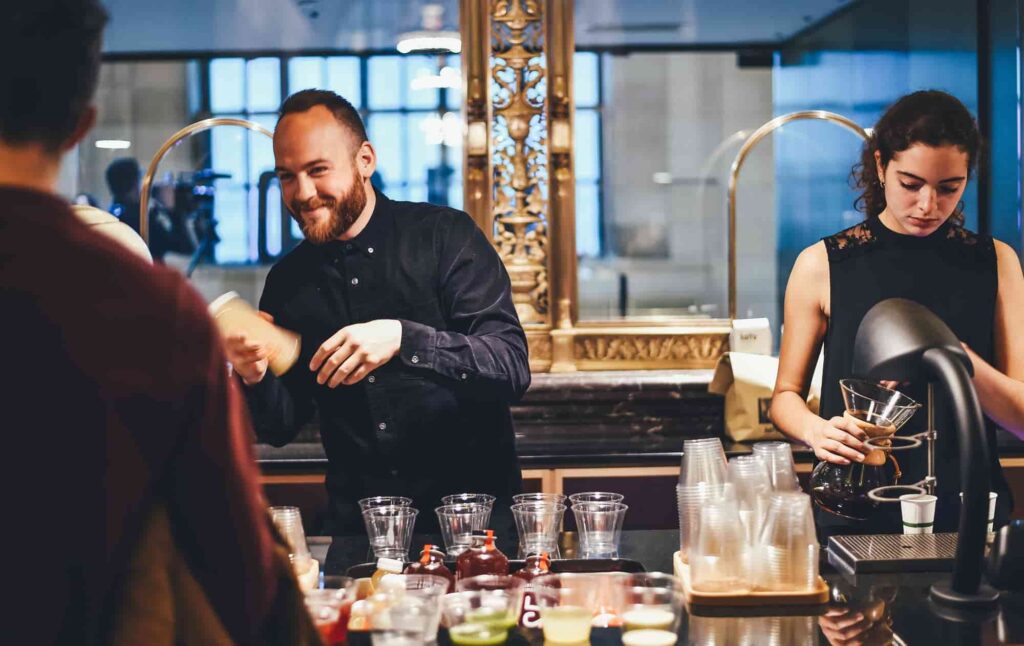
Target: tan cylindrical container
(233, 315)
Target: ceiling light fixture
(113, 144)
(448, 77)
(432, 37)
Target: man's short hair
(123, 175)
(342, 110)
(51, 53)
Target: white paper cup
(992, 496)
(918, 513)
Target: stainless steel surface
(893, 552)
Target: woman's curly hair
(928, 117)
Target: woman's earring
(882, 184)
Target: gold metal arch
(198, 126)
(741, 156)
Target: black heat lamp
(902, 340)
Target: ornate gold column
(511, 170)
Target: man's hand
(248, 358)
(355, 351)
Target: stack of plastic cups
(458, 522)
(787, 550)
(389, 529)
(748, 474)
(487, 500)
(288, 521)
(779, 458)
(701, 477)
(719, 555)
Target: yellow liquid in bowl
(566, 624)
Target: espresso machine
(902, 340)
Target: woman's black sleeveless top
(953, 273)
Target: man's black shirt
(435, 419)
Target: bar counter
(875, 609)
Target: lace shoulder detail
(980, 245)
(850, 241)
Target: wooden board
(817, 596)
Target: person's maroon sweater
(115, 394)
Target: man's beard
(344, 213)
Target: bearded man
(411, 347)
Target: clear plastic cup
(748, 474)
(485, 499)
(538, 524)
(787, 551)
(703, 461)
(458, 521)
(389, 529)
(325, 608)
(430, 589)
(384, 501)
(651, 602)
(567, 605)
(778, 456)
(719, 555)
(511, 586)
(404, 621)
(595, 496)
(599, 525)
(690, 499)
(539, 497)
(288, 521)
(480, 617)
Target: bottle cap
(425, 557)
(389, 565)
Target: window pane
(455, 195)
(227, 80)
(421, 68)
(385, 132)
(229, 207)
(274, 218)
(261, 148)
(588, 220)
(264, 84)
(416, 193)
(454, 98)
(343, 78)
(305, 72)
(424, 145)
(588, 145)
(228, 151)
(385, 76)
(585, 79)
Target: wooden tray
(817, 596)
(514, 565)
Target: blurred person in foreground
(118, 408)
(411, 346)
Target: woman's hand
(837, 440)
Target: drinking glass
(288, 521)
(719, 554)
(600, 528)
(384, 501)
(480, 617)
(567, 605)
(389, 529)
(538, 524)
(779, 458)
(595, 496)
(458, 521)
(787, 551)
(539, 497)
(703, 461)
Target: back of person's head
(343, 111)
(51, 58)
(123, 176)
(928, 117)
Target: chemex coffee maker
(856, 490)
(901, 340)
